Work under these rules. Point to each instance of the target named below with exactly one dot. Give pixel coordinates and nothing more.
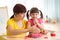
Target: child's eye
(32, 14)
(36, 14)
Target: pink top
(32, 23)
(39, 21)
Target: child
(16, 25)
(35, 22)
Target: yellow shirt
(15, 26)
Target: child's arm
(37, 23)
(41, 28)
(34, 29)
(15, 32)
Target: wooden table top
(45, 37)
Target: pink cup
(36, 35)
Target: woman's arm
(15, 32)
(29, 26)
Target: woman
(16, 25)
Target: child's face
(34, 15)
(20, 16)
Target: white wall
(27, 3)
(52, 9)
(59, 10)
(48, 7)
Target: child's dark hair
(34, 10)
(41, 14)
(18, 8)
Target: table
(45, 37)
(47, 26)
(51, 27)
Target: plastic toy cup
(36, 35)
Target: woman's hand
(36, 30)
(30, 29)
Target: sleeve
(25, 24)
(9, 23)
(40, 21)
(30, 21)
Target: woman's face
(34, 15)
(20, 16)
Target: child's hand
(35, 29)
(44, 32)
(35, 21)
(30, 29)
